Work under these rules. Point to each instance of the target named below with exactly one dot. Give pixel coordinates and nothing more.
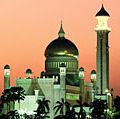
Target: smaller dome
(81, 69)
(93, 72)
(28, 71)
(6, 67)
(102, 12)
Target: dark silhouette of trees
(3, 116)
(42, 109)
(11, 95)
(116, 106)
(66, 111)
(61, 107)
(81, 114)
(98, 106)
(6, 98)
(71, 114)
(18, 94)
(13, 115)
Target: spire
(61, 32)
(102, 12)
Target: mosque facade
(62, 77)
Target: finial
(61, 32)
(102, 5)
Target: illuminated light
(106, 90)
(109, 94)
(6, 72)
(61, 53)
(72, 96)
(71, 55)
(65, 51)
(93, 77)
(102, 23)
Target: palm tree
(81, 114)
(42, 109)
(19, 94)
(11, 95)
(61, 107)
(98, 106)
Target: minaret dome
(6, 67)
(102, 12)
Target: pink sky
(28, 26)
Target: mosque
(62, 77)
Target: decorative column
(6, 76)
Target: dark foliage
(42, 109)
(98, 106)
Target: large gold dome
(61, 47)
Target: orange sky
(28, 26)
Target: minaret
(6, 76)
(102, 56)
(81, 77)
(62, 80)
(28, 73)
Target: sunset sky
(28, 26)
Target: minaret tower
(102, 56)
(62, 80)
(81, 77)
(6, 76)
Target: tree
(42, 109)
(11, 95)
(18, 93)
(116, 113)
(71, 114)
(6, 98)
(81, 114)
(61, 107)
(98, 106)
